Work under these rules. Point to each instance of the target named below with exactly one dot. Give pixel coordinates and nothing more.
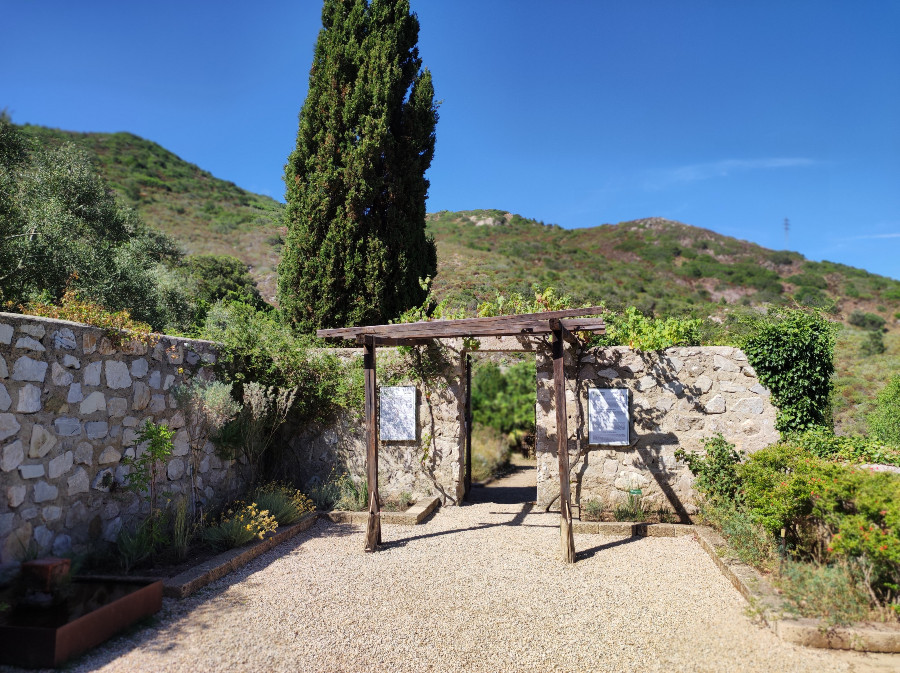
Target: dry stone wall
(678, 397)
(71, 405)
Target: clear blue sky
(725, 115)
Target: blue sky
(730, 116)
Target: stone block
(730, 387)
(703, 383)
(106, 347)
(130, 422)
(109, 455)
(51, 513)
(62, 545)
(748, 371)
(64, 338)
(154, 380)
(180, 446)
(7, 521)
(12, 456)
(42, 441)
(9, 426)
(15, 495)
(175, 470)
(4, 371)
(117, 406)
(44, 492)
(723, 364)
(141, 396)
(17, 544)
(61, 376)
(716, 405)
(29, 513)
(208, 358)
(139, 368)
(67, 427)
(35, 329)
(157, 403)
(608, 374)
(29, 344)
(78, 482)
(177, 420)
(26, 369)
(71, 362)
(111, 529)
(43, 536)
(96, 401)
(104, 480)
(74, 396)
(91, 375)
(29, 399)
(84, 453)
(6, 334)
(88, 343)
(170, 379)
(760, 390)
(749, 405)
(60, 465)
(175, 354)
(117, 376)
(129, 437)
(96, 429)
(5, 399)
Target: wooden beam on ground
(567, 541)
(373, 526)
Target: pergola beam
(566, 539)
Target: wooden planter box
(49, 645)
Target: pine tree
(356, 245)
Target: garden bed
(415, 514)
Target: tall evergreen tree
(356, 246)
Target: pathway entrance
(518, 486)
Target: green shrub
(715, 471)
(748, 539)
(637, 331)
(835, 592)
(505, 399)
(884, 421)
(869, 321)
(137, 545)
(632, 509)
(240, 524)
(283, 502)
(824, 443)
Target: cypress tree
(356, 246)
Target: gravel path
(476, 588)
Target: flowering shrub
(282, 501)
(240, 524)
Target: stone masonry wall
(678, 397)
(71, 404)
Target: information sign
(398, 413)
(608, 419)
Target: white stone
(43, 536)
(724, 364)
(96, 401)
(62, 545)
(634, 366)
(117, 406)
(74, 395)
(704, 383)
(158, 403)
(608, 374)
(71, 362)
(42, 441)
(29, 344)
(716, 405)
(109, 455)
(96, 429)
(51, 513)
(175, 469)
(129, 437)
(104, 480)
(84, 453)
(12, 456)
(117, 376)
(760, 389)
(748, 371)
(26, 369)
(36, 330)
(60, 465)
(91, 375)
(154, 380)
(177, 420)
(141, 396)
(8, 426)
(44, 492)
(729, 387)
(180, 445)
(5, 399)
(204, 465)
(646, 383)
(749, 405)
(78, 482)
(15, 495)
(4, 371)
(60, 376)
(29, 399)
(64, 338)
(67, 427)
(170, 379)
(139, 368)
(6, 334)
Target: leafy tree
(61, 229)
(216, 277)
(356, 245)
(505, 399)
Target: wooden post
(373, 527)
(468, 422)
(567, 541)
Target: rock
(44, 492)
(704, 383)
(96, 401)
(84, 453)
(646, 383)
(96, 429)
(749, 405)
(60, 465)
(180, 445)
(42, 440)
(17, 544)
(139, 368)
(158, 403)
(760, 390)
(111, 529)
(674, 387)
(12, 456)
(67, 427)
(110, 511)
(141, 396)
(106, 347)
(29, 513)
(170, 379)
(29, 344)
(175, 469)
(117, 376)
(748, 371)
(15, 495)
(208, 358)
(4, 371)
(608, 374)
(62, 545)
(8, 426)
(724, 364)
(192, 357)
(6, 334)
(91, 375)
(36, 330)
(64, 338)
(43, 536)
(7, 519)
(129, 437)
(104, 480)
(117, 406)
(729, 387)
(175, 354)
(29, 399)
(716, 405)
(204, 465)
(154, 380)
(109, 455)
(88, 343)
(74, 395)
(177, 420)
(5, 399)
(78, 482)
(51, 513)
(26, 369)
(71, 362)
(130, 422)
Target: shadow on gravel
(588, 553)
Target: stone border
(411, 517)
(631, 529)
(190, 581)
(862, 637)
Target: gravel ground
(476, 588)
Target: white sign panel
(398, 413)
(608, 416)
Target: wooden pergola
(558, 324)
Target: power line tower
(787, 227)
